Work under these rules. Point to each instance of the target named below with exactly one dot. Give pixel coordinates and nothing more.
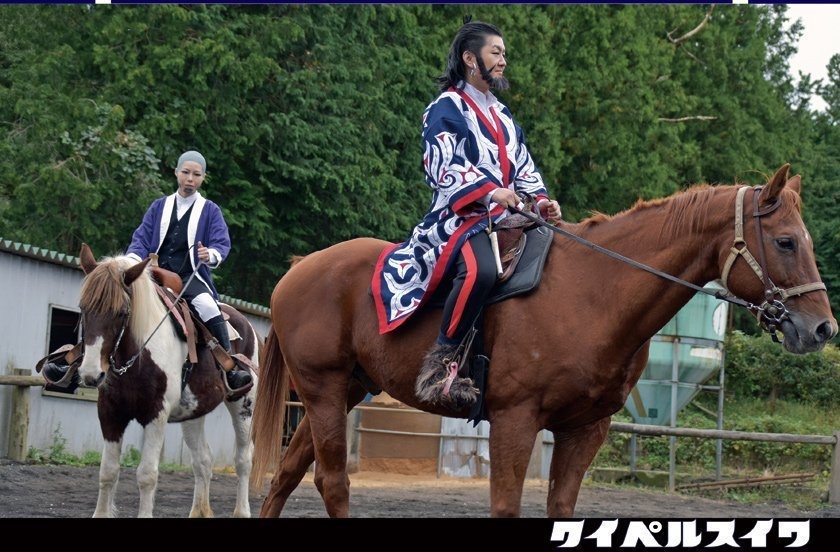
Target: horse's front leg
(147, 470)
(512, 437)
(572, 455)
(202, 465)
(241, 412)
(109, 476)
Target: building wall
(34, 281)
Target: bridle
(771, 313)
(112, 363)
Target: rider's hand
(550, 209)
(203, 253)
(506, 198)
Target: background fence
(22, 379)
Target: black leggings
(474, 275)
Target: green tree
(309, 115)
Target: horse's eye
(786, 243)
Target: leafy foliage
(756, 367)
(309, 115)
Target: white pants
(206, 306)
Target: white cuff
(215, 257)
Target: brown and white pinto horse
(134, 356)
(562, 358)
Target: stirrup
(234, 394)
(452, 368)
(66, 379)
(71, 354)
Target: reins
(769, 314)
(122, 370)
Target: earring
(472, 70)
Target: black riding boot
(55, 372)
(236, 377)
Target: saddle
(511, 240)
(169, 286)
(523, 248)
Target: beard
(498, 83)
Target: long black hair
(471, 37)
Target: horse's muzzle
(801, 338)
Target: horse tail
(269, 411)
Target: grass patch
(57, 454)
(696, 458)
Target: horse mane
(104, 293)
(686, 211)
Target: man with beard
(477, 164)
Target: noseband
(772, 312)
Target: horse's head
(771, 264)
(106, 306)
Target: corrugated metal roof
(55, 257)
(27, 250)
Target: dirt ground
(47, 491)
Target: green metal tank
(689, 346)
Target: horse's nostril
(826, 330)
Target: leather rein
(130, 362)
(771, 313)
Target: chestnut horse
(562, 358)
(135, 358)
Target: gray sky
(820, 40)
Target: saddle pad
(233, 335)
(525, 278)
(529, 270)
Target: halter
(111, 361)
(770, 313)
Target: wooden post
(19, 420)
(834, 484)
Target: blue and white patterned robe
(462, 165)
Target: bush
(757, 367)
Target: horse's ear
(770, 192)
(135, 271)
(88, 261)
(795, 183)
